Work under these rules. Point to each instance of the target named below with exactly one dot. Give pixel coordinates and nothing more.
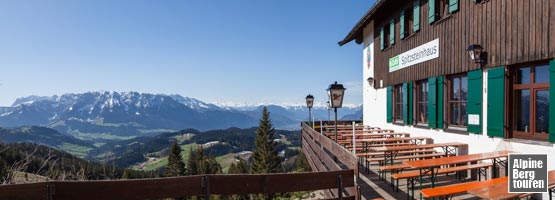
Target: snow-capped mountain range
(120, 115)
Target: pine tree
(301, 163)
(126, 174)
(265, 155)
(176, 166)
(192, 167)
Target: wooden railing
(202, 186)
(323, 155)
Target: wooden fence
(202, 186)
(324, 155)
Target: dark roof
(356, 32)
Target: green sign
(394, 62)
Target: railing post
(206, 186)
(339, 187)
(50, 190)
(354, 142)
(321, 128)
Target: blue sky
(242, 51)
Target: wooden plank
(503, 33)
(537, 29)
(342, 155)
(460, 188)
(550, 28)
(545, 29)
(129, 189)
(322, 156)
(309, 160)
(24, 191)
(317, 163)
(278, 183)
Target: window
(457, 101)
(421, 110)
(441, 8)
(406, 23)
(384, 36)
(398, 103)
(530, 98)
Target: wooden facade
(510, 31)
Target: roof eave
(356, 32)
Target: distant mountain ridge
(107, 115)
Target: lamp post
(335, 93)
(309, 103)
(328, 106)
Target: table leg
(494, 173)
(420, 183)
(432, 177)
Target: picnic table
(374, 135)
(366, 131)
(414, 140)
(390, 152)
(430, 167)
(501, 190)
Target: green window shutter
(432, 17)
(496, 102)
(389, 97)
(402, 25)
(440, 85)
(405, 103)
(432, 102)
(409, 103)
(453, 6)
(416, 16)
(382, 42)
(392, 32)
(551, 99)
(474, 100)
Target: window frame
(449, 101)
(398, 103)
(441, 10)
(418, 102)
(386, 33)
(533, 88)
(408, 23)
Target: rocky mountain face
(123, 115)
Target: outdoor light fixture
(476, 54)
(370, 81)
(309, 104)
(335, 93)
(328, 106)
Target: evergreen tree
(232, 169)
(176, 166)
(302, 164)
(192, 167)
(265, 155)
(126, 174)
(239, 168)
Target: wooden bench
(408, 157)
(368, 154)
(416, 174)
(412, 175)
(449, 190)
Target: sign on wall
(414, 56)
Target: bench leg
(408, 194)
